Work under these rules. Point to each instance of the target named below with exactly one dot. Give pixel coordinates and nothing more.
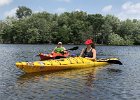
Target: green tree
(69, 27)
(137, 39)
(96, 21)
(23, 12)
(126, 28)
(115, 39)
(106, 30)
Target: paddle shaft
(73, 48)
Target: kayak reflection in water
(59, 48)
(89, 52)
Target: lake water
(112, 82)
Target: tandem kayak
(63, 63)
(53, 56)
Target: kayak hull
(60, 64)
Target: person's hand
(62, 52)
(52, 53)
(65, 52)
(93, 59)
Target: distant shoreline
(63, 44)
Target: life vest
(88, 54)
(59, 50)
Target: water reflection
(88, 75)
(70, 84)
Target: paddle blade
(115, 62)
(74, 48)
(111, 61)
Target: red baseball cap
(89, 41)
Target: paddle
(73, 48)
(111, 61)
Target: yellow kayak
(64, 63)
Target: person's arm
(82, 52)
(54, 49)
(64, 50)
(94, 54)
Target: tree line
(68, 27)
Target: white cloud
(107, 8)
(4, 2)
(124, 16)
(10, 13)
(60, 10)
(130, 10)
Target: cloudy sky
(121, 8)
